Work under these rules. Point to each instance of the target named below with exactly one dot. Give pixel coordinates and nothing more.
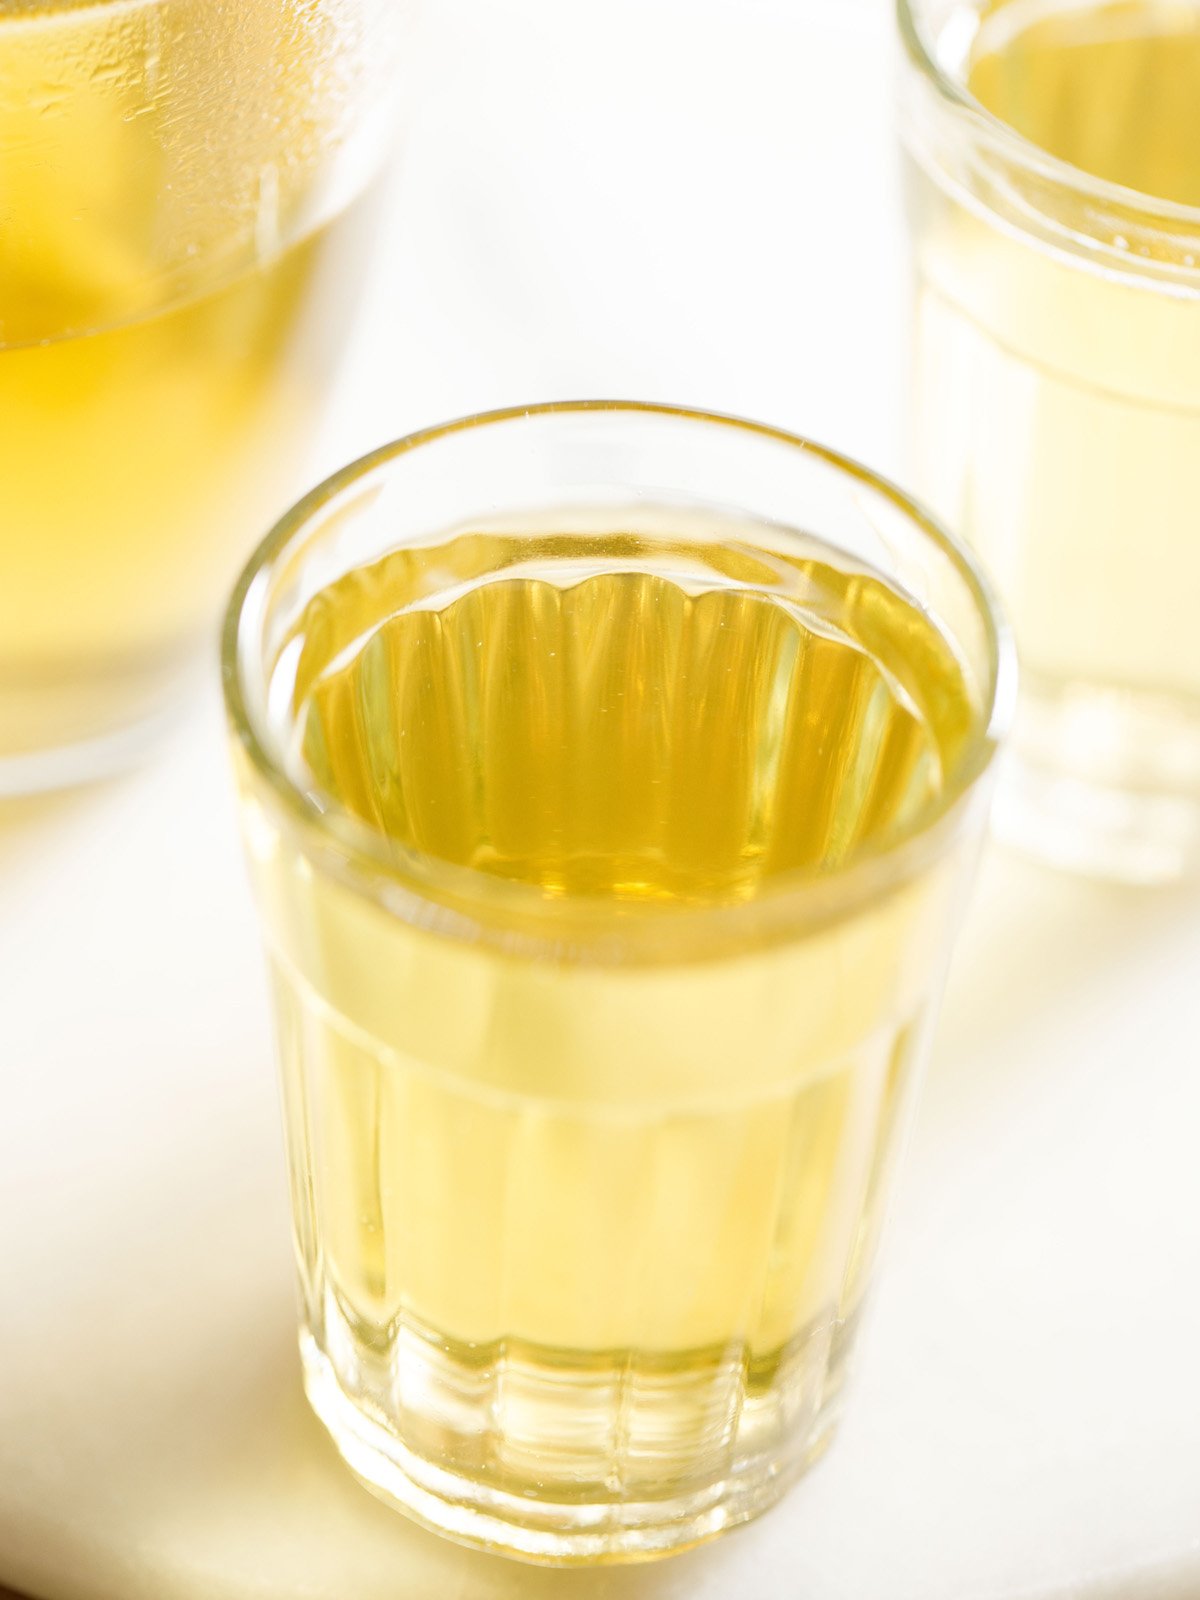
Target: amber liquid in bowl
(176, 267)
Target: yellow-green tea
(584, 1226)
(176, 259)
(1113, 86)
(1058, 384)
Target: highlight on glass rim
(599, 983)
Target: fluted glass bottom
(1105, 781)
(577, 1332)
(578, 1458)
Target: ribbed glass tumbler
(611, 777)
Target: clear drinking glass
(1054, 183)
(611, 776)
(186, 188)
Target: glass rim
(464, 901)
(1150, 212)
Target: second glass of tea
(611, 779)
(1054, 181)
(186, 188)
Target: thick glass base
(543, 1515)
(1104, 782)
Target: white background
(674, 199)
